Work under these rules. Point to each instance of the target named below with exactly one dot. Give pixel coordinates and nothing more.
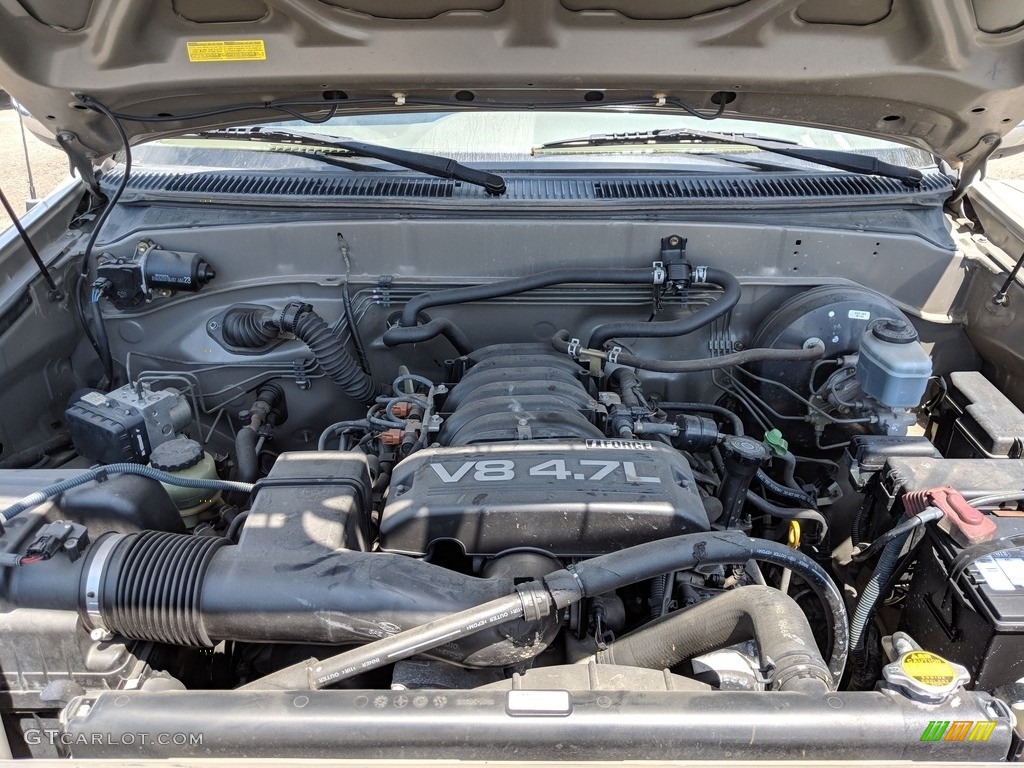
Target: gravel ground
(50, 167)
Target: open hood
(944, 75)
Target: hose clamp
(289, 315)
(574, 348)
(613, 355)
(660, 275)
(571, 568)
(101, 552)
(536, 601)
(700, 274)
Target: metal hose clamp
(101, 552)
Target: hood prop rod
(55, 293)
(1002, 297)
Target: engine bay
(649, 479)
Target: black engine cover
(579, 498)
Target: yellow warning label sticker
(928, 669)
(226, 50)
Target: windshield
(514, 136)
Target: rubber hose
(394, 337)
(247, 468)
(335, 361)
(560, 342)
(625, 382)
(34, 499)
(607, 573)
(29, 456)
(784, 638)
(869, 597)
(516, 285)
(792, 494)
(734, 421)
(731, 292)
(248, 327)
(722, 361)
(786, 513)
(789, 470)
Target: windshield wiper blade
(843, 161)
(433, 165)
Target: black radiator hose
(628, 566)
(635, 330)
(784, 638)
(254, 328)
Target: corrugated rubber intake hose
(784, 638)
(336, 362)
(253, 328)
(636, 330)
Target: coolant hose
(784, 638)
(731, 292)
(590, 578)
(395, 337)
(516, 285)
(88, 476)
(246, 461)
(628, 566)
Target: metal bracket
(301, 378)
(382, 295)
(80, 162)
(659, 272)
(973, 162)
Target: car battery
(967, 603)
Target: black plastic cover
(976, 420)
(570, 499)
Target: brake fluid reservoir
(893, 367)
(186, 458)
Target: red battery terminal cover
(966, 524)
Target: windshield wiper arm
(843, 161)
(433, 165)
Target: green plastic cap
(776, 443)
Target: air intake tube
(197, 591)
(254, 328)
